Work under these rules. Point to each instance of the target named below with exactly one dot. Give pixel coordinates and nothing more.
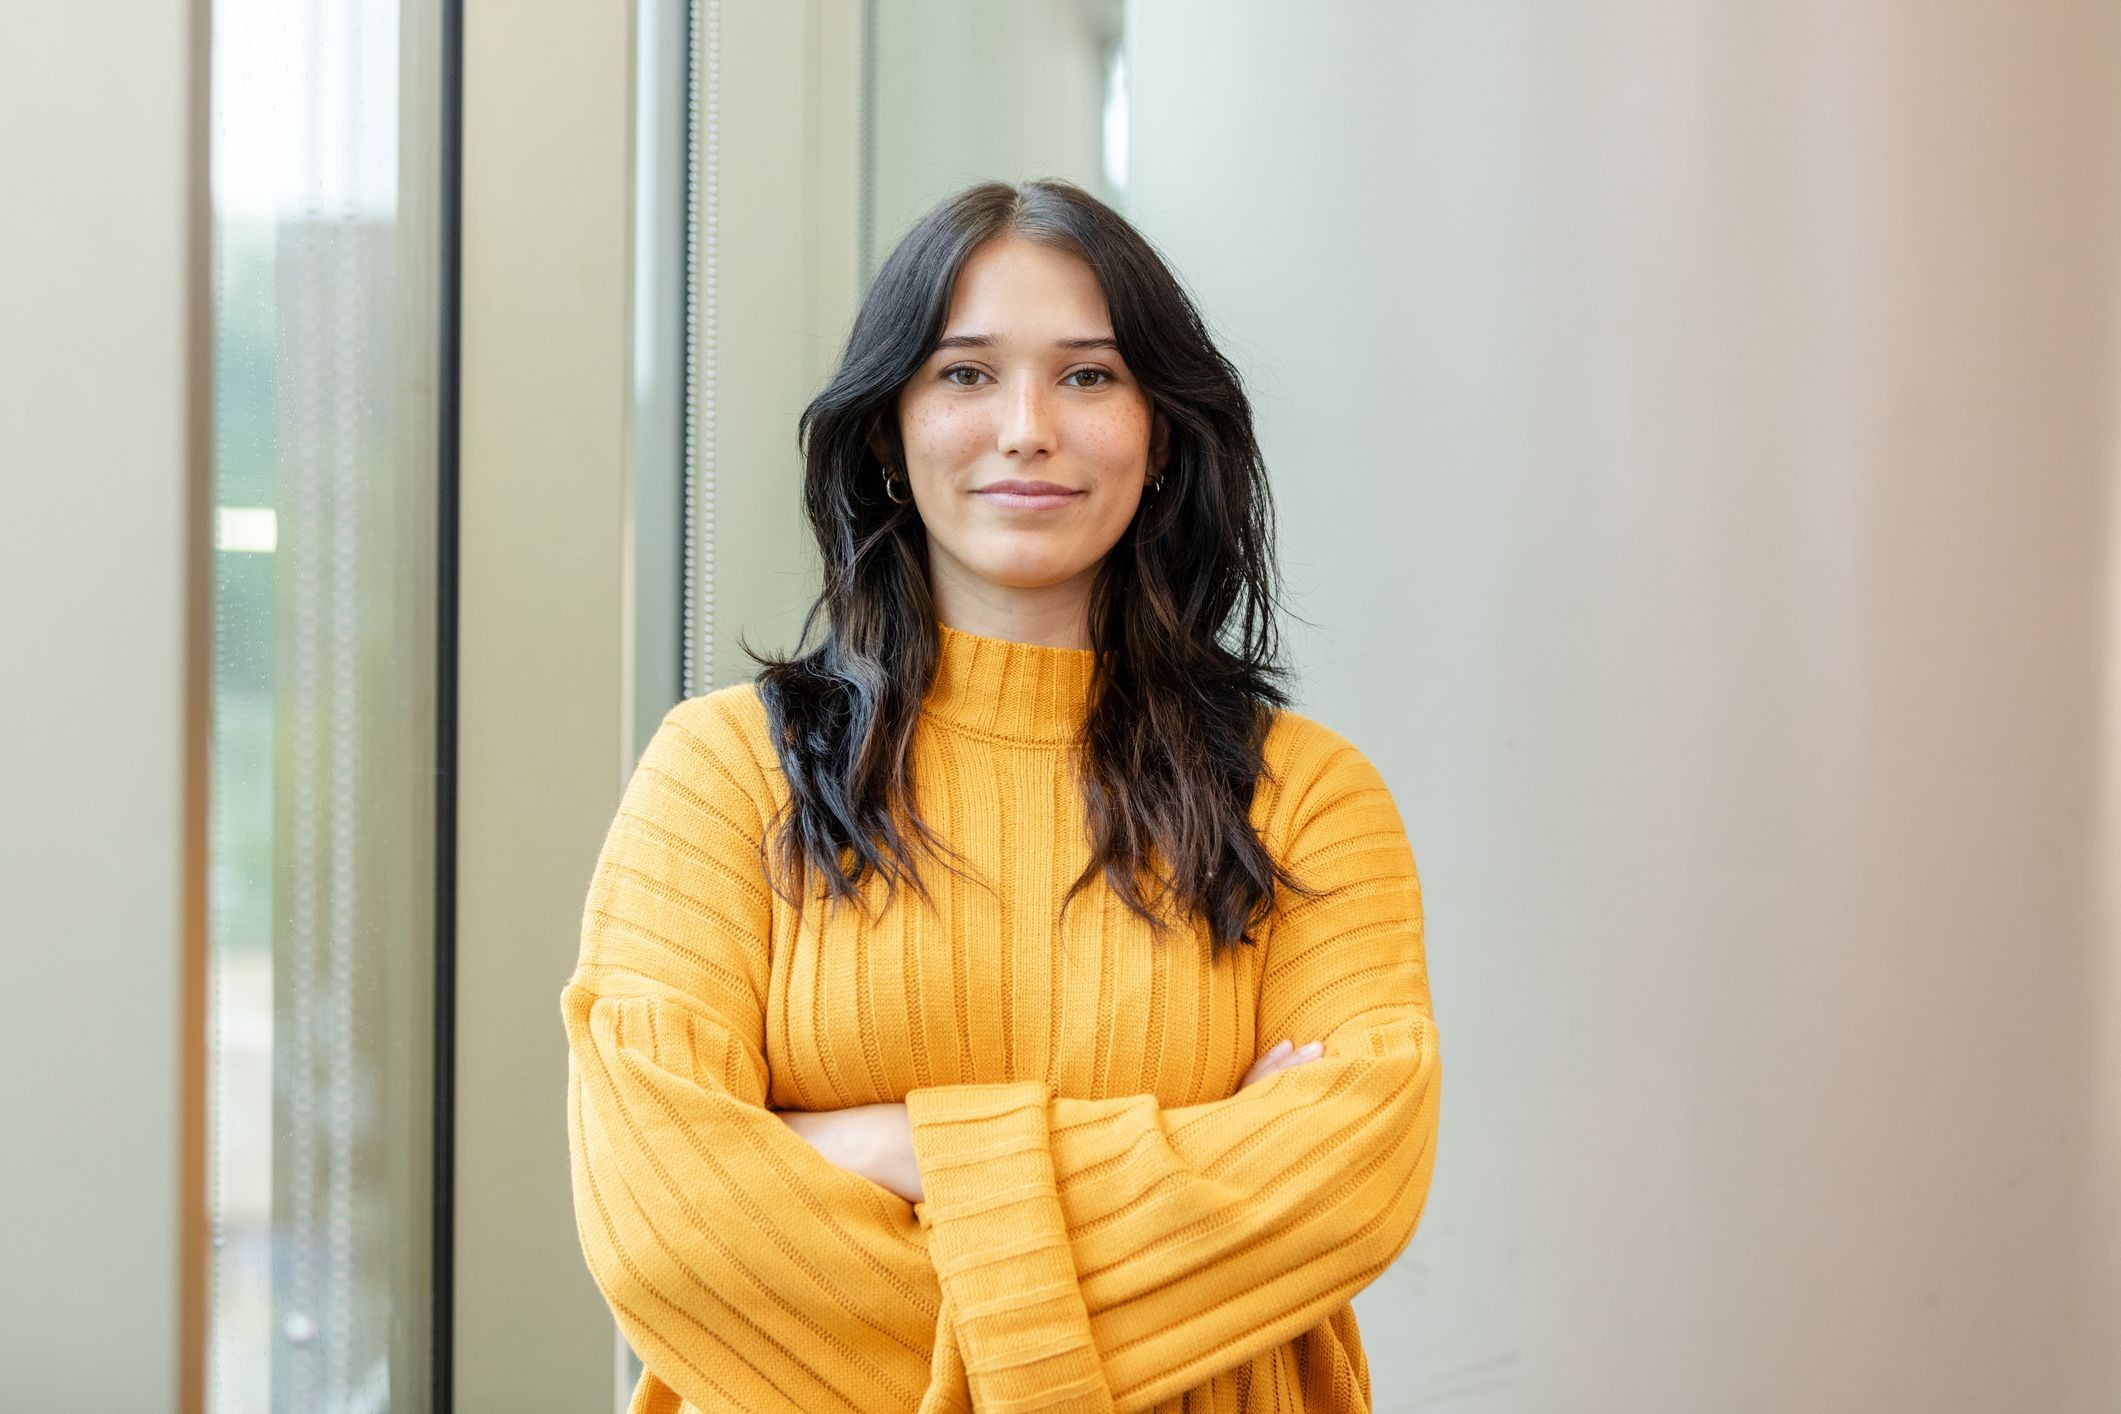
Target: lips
(1020, 495)
(1026, 488)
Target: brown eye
(950, 374)
(1094, 372)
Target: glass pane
(946, 112)
(325, 133)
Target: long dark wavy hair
(1170, 750)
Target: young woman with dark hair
(1006, 1132)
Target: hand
(1281, 1058)
(875, 1141)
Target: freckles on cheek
(944, 435)
(1120, 439)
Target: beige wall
(544, 660)
(103, 456)
(1694, 434)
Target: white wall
(1693, 428)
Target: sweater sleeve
(1159, 1246)
(746, 1269)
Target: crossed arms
(1066, 1253)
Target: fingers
(1280, 1057)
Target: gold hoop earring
(891, 485)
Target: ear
(883, 444)
(1159, 445)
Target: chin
(1024, 572)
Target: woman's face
(1025, 389)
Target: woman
(1004, 1129)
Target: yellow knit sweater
(1108, 1222)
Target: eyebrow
(986, 341)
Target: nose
(1026, 421)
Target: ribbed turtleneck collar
(1022, 692)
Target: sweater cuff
(1000, 1247)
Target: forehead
(1020, 290)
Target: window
(325, 143)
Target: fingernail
(1279, 1047)
(1315, 1048)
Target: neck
(1048, 615)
